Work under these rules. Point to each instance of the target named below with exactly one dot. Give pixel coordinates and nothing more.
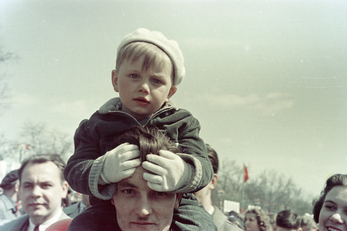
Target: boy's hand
(120, 163)
(168, 171)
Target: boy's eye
(133, 76)
(157, 81)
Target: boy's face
(143, 92)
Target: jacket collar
(115, 104)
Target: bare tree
(5, 96)
(230, 176)
(37, 139)
(270, 190)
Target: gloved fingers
(127, 173)
(155, 179)
(156, 187)
(167, 154)
(128, 155)
(131, 164)
(158, 160)
(156, 169)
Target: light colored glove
(120, 163)
(168, 171)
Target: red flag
(245, 173)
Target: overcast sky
(266, 79)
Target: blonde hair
(153, 56)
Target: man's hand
(120, 163)
(168, 171)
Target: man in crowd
(135, 206)
(204, 196)
(42, 188)
(78, 207)
(9, 197)
(287, 220)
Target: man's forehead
(135, 181)
(40, 171)
(126, 183)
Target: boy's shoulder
(113, 104)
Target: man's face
(143, 92)
(140, 208)
(41, 191)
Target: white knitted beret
(170, 47)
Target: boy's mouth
(141, 101)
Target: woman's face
(251, 223)
(333, 215)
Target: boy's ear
(172, 91)
(115, 80)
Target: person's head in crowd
(307, 223)
(329, 210)
(272, 217)
(257, 220)
(10, 184)
(204, 195)
(235, 218)
(137, 206)
(287, 220)
(42, 186)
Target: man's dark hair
(288, 219)
(212, 155)
(149, 140)
(43, 158)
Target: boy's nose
(144, 87)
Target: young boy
(148, 69)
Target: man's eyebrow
(27, 182)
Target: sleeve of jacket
(84, 166)
(195, 154)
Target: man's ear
(214, 180)
(65, 188)
(112, 201)
(114, 80)
(178, 199)
(172, 91)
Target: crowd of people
(140, 164)
(287, 220)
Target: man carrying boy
(135, 206)
(148, 69)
